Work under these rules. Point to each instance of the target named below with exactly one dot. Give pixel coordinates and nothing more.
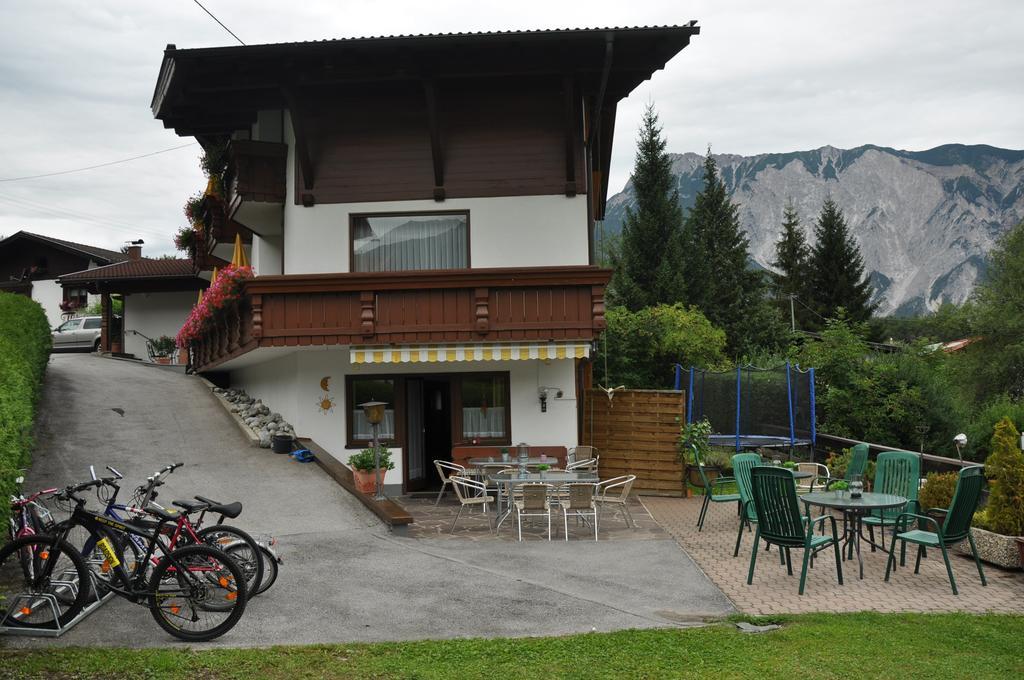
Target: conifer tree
(648, 260)
(792, 260)
(837, 269)
(717, 278)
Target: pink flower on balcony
(223, 292)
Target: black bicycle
(195, 593)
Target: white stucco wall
(153, 315)
(266, 254)
(290, 385)
(508, 231)
(49, 295)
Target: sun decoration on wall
(325, 403)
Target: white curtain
(438, 243)
(490, 425)
(361, 428)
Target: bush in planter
(163, 346)
(938, 489)
(364, 470)
(1004, 467)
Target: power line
(219, 22)
(63, 213)
(101, 165)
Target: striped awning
(412, 354)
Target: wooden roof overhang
(210, 93)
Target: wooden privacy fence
(636, 432)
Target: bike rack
(34, 600)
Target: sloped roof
(101, 255)
(143, 268)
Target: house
(30, 264)
(157, 294)
(421, 212)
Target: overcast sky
(76, 79)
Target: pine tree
(792, 260)
(717, 278)
(648, 260)
(837, 269)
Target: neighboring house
(158, 295)
(421, 212)
(31, 263)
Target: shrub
(365, 460)
(938, 489)
(639, 348)
(1004, 513)
(983, 425)
(24, 352)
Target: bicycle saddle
(231, 510)
(161, 513)
(190, 506)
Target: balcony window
(410, 241)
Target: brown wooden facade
(538, 304)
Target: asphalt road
(345, 578)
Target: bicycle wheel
(126, 550)
(269, 565)
(189, 589)
(46, 582)
(250, 559)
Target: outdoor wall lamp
(374, 412)
(543, 394)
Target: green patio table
(853, 509)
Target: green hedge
(24, 352)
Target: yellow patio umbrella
(238, 259)
(213, 277)
(200, 298)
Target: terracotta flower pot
(366, 482)
(712, 472)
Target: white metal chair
(536, 502)
(446, 470)
(614, 492)
(470, 492)
(586, 464)
(820, 479)
(579, 500)
(580, 453)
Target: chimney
(134, 252)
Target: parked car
(82, 332)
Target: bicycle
(237, 543)
(195, 593)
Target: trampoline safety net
(752, 407)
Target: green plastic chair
(710, 494)
(742, 463)
(858, 463)
(898, 473)
(954, 529)
(780, 523)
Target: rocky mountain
(924, 220)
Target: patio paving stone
(775, 592)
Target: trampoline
(750, 407)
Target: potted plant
(839, 486)
(542, 468)
(999, 527)
(695, 452)
(364, 470)
(162, 349)
(789, 465)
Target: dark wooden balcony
(256, 179)
(538, 304)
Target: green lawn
(815, 646)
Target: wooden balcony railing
(256, 173)
(538, 304)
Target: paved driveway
(345, 578)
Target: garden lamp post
(960, 441)
(374, 412)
